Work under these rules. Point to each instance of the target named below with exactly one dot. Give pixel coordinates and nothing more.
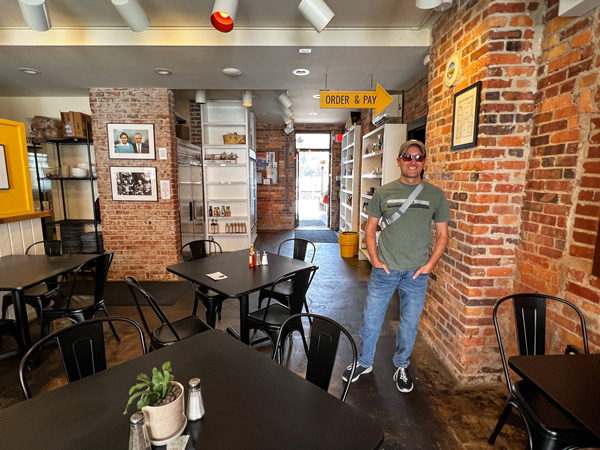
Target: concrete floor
(438, 414)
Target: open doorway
(312, 180)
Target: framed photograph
(3, 169)
(465, 120)
(131, 141)
(134, 184)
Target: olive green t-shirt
(404, 244)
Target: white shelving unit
(227, 181)
(379, 167)
(350, 180)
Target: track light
(285, 100)
(200, 96)
(286, 119)
(289, 127)
(287, 112)
(133, 14)
(223, 15)
(35, 14)
(316, 12)
(438, 5)
(247, 99)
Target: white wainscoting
(15, 237)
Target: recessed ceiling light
(312, 113)
(305, 50)
(317, 96)
(301, 72)
(264, 113)
(29, 71)
(232, 72)
(162, 71)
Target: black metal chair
(168, 332)
(80, 307)
(10, 328)
(321, 347)
(299, 251)
(40, 296)
(211, 300)
(82, 349)
(269, 318)
(547, 427)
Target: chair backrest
(81, 347)
(102, 265)
(52, 247)
(200, 248)
(529, 316)
(323, 344)
(301, 247)
(138, 292)
(300, 281)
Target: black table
(250, 401)
(569, 381)
(19, 272)
(242, 280)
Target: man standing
(401, 259)
(140, 147)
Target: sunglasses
(408, 158)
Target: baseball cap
(413, 142)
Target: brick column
(145, 236)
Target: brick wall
(415, 101)
(562, 194)
(484, 184)
(145, 236)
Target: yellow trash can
(348, 243)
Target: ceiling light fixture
(200, 96)
(30, 71)
(285, 100)
(316, 12)
(287, 112)
(301, 72)
(312, 113)
(35, 14)
(133, 14)
(305, 50)
(286, 119)
(438, 5)
(223, 15)
(317, 96)
(289, 128)
(162, 71)
(247, 99)
(232, 72)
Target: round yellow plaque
(452, 72)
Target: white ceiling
(89, 45)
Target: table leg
(21, 318)
(244, 334)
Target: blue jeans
(412, 299)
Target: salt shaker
(195, 406)
(264, 260)
(138, 435)
(258, 258)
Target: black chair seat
(276, 315)
(78, 304)
(185, 328)
(9, 328)
(284, 288)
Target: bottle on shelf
(210, 211)
(216, 227)
(379, 143)
(252, 256)
(228, 212)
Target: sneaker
(404, 382)
(360, 370)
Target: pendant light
(35, 14)
(247, 99)
(133, 14)
(223, 15)
(317, 13)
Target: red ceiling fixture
(223, 15)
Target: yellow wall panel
(18, 199)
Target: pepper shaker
(264, 261)
(195, 405)
(258, 258)
(138, 435)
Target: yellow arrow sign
(377, 99)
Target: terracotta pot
(167, 422)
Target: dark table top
(250, 401)
(241, 279)
(570, 381)
(23, 271)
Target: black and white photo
(134, 184)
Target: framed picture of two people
(131, 141)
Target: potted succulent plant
(161, 401)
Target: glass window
(313, 141)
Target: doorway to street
(312, 180)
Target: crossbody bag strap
(384, 223)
